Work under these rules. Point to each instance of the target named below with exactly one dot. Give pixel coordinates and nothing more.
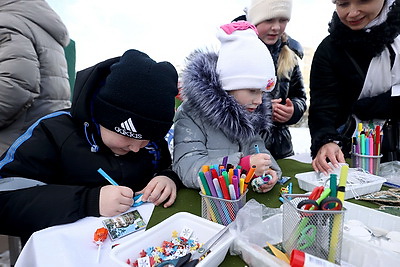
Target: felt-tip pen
(108, 178)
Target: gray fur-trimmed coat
(210, 124)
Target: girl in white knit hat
(226, 103)
(289, 97)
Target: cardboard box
(358, 183)
(202, 228)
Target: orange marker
(205, 168)
(249, 176)
(230, 175)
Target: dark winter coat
(335, 82)
(210, 124)
(290, 86)
(64, 150)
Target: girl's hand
(159, 190)
(271, 183)
(282, 113)
(262, 161)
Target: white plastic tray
(358, 183)
(355, 252)
(202, 228)
(361, 253)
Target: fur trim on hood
(204, 98)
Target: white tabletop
(72, 244)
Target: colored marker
(334, 241)
(377, 140)
(360, 128)
(217, 188)
(210, 183)
(204, 184)
(235, 183)
(225, 162)
(224, 187)
(257, 148)
(108, 178)
(249, 176)
(232, 192)
(371, 153)
(205, 168)
(241, 185)
(230, 174)
(333, 184)
(214, 173)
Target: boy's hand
(115, 200)
(158, 190)
(262, 161)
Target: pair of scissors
(192, 259)
(320, 200)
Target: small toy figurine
(257, 182)
(99, 236)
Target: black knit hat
(138, 97)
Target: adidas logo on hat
(128, 129)
(128, 125)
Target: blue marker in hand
(137, 199)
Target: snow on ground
(301, 141)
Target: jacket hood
(87, 84)
(40, 13)
(204, 98)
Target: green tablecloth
(189, 200)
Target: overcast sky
(169, 29)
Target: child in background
(122, 109)
(289, 96)
(225, 106)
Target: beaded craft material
(179, 245)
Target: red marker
(377, 140)
(214, 173)
(224, 187)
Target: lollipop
(99, 236)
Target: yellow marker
(210, 211)
(344, 171)
(359, 129)
(241, 185)
(338, 217)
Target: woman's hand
(333, 153)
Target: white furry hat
(260, 10)
(244, 61)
